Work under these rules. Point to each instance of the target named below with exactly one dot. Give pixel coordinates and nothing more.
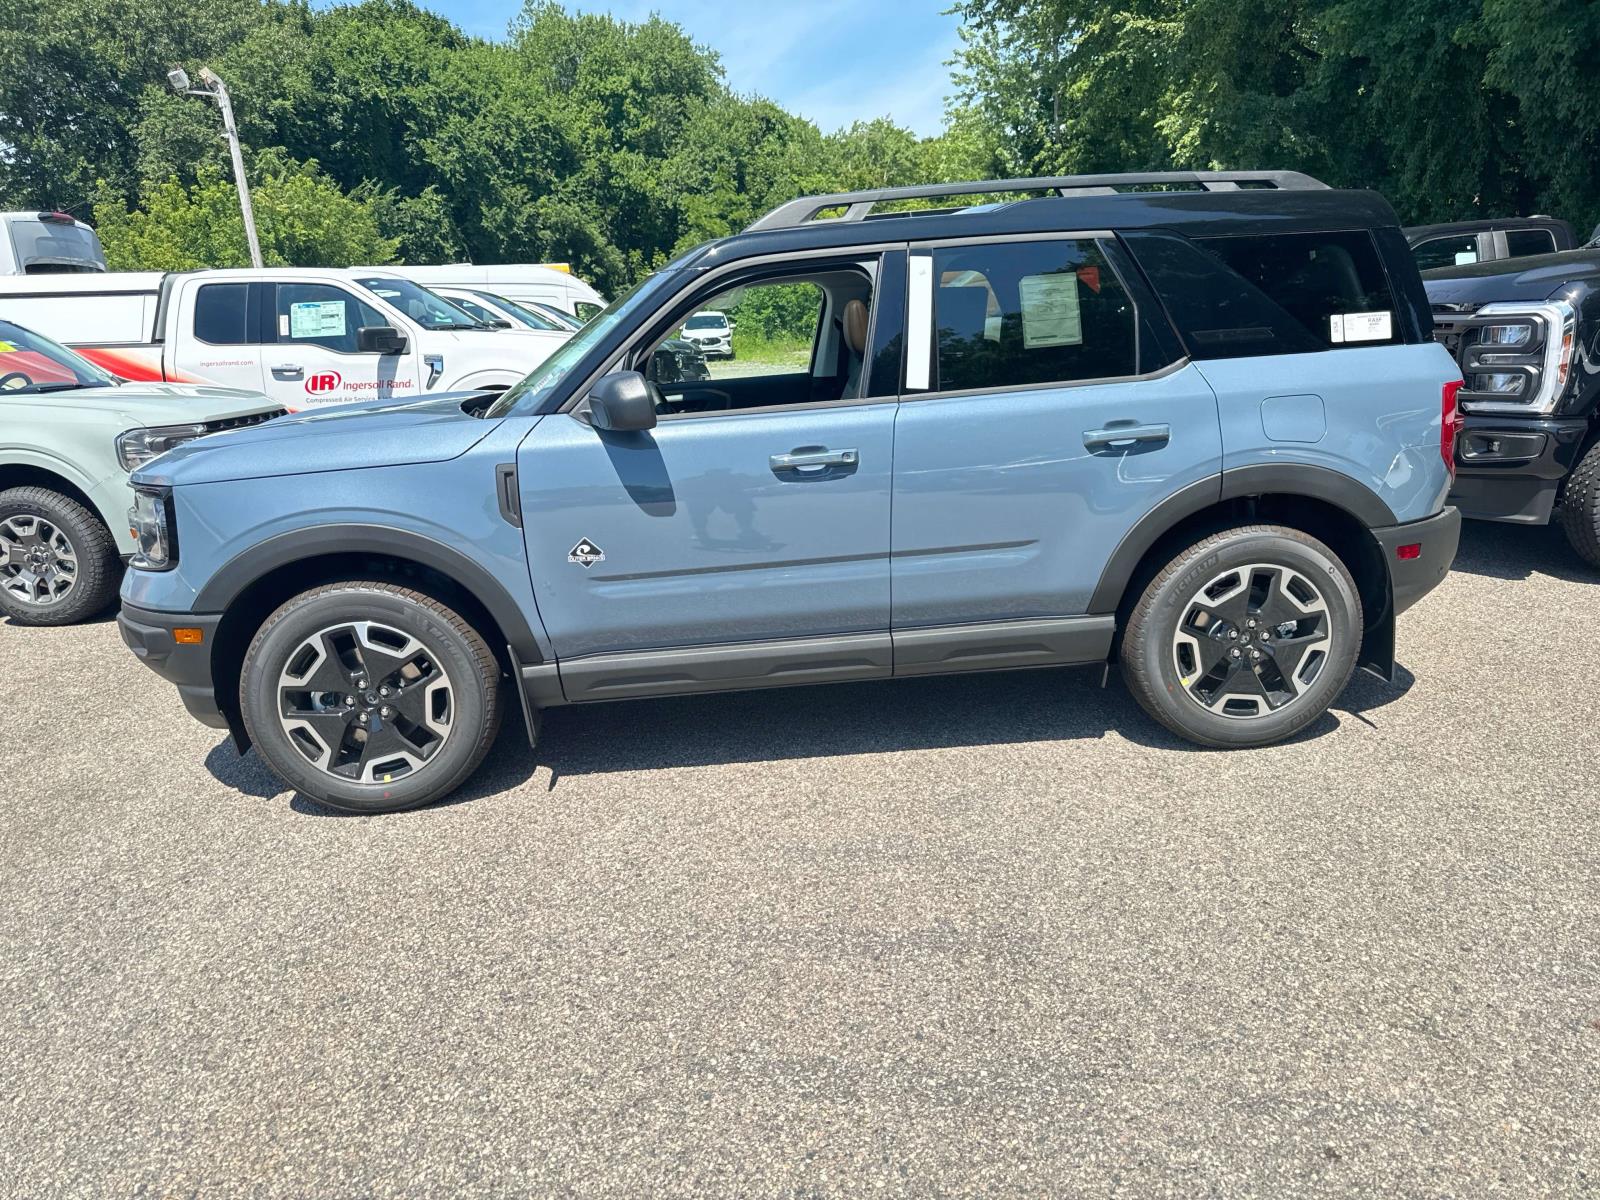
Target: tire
(55, 531)
(1580, 507)
(352, 756)
(1194, 661)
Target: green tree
(302, 219)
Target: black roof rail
(858, 205)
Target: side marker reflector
(1412, 551)
(189, 637)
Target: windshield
(706, 321)
(565, 320)
(527, 395)
(30, 365)
(418, 303)
(515, 311)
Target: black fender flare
(1260, 479)
(240, 572)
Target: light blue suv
(1194, 423)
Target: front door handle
(813, 461)
(288, 371)
(1120, 437)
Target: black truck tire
(1580, 507)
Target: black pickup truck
(1526, 334)
(1458, 242)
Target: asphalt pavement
(986, 935)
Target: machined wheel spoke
(37, 562)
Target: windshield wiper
(39, 389)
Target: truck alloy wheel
(38, 564)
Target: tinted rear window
(219, 314)
(1521, 242)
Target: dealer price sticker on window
(316, 319)
(1361, 327)
(1051, 315)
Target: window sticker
(1361, 327)
(1051, 315)
(1466, 257)
(316, 319)
(7, 348)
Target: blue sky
(834, 61)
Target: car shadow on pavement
(1061, 704)
(1058, 704)
(1500, 551)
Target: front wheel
(1580, 507)
(1244, 638)
(58, 562)
(370, 697)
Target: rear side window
(1452, 251)
(1522, 242)
(1332, 284)
(1016, 314)
(219, 314)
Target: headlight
(1506, 335)
(1500, 385)
(1519, 358)
(139, 446)
(151, 523)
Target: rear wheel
(58, 562)
(1244, 638)
(1580, 507)
(370, 697)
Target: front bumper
(150, 636)
(1510, 468)
(1437, 538)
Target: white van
(521, 282)
(304, 336)
(48, 243)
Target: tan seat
(855, 326)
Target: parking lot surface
(990, 934)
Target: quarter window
(219, 314)
(1446, 251)
(1017, 314)
(1332, 284)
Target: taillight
(1449, 424)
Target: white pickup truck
(305, 337)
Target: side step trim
(1003, 645)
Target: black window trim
(1103, 239)
(701, 284)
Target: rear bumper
(1510, 469)
(1436, 539)
(188, 667)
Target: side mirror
(380, 339)
(623, 401)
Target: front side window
(1019, 314)
(1332, 285)
(319, 314)
(799, 337)
(1522, 242)
(219, 314)
(1453, 251)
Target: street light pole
(217, 91)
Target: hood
(158, 403)
(1531, 279)
(376, 433)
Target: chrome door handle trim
(811, 460)
(289, 371)
(1120, 437)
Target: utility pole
(217, 92)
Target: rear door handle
(813, 460)
(288, 371)
(1120, 437)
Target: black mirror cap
(380, 339)
(623, 401)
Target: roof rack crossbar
(859, 205)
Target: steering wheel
(7, 385)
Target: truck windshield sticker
(7, 348)
(316, 319)
(1361, 327)
(1051, 315)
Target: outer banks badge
(586, 554)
